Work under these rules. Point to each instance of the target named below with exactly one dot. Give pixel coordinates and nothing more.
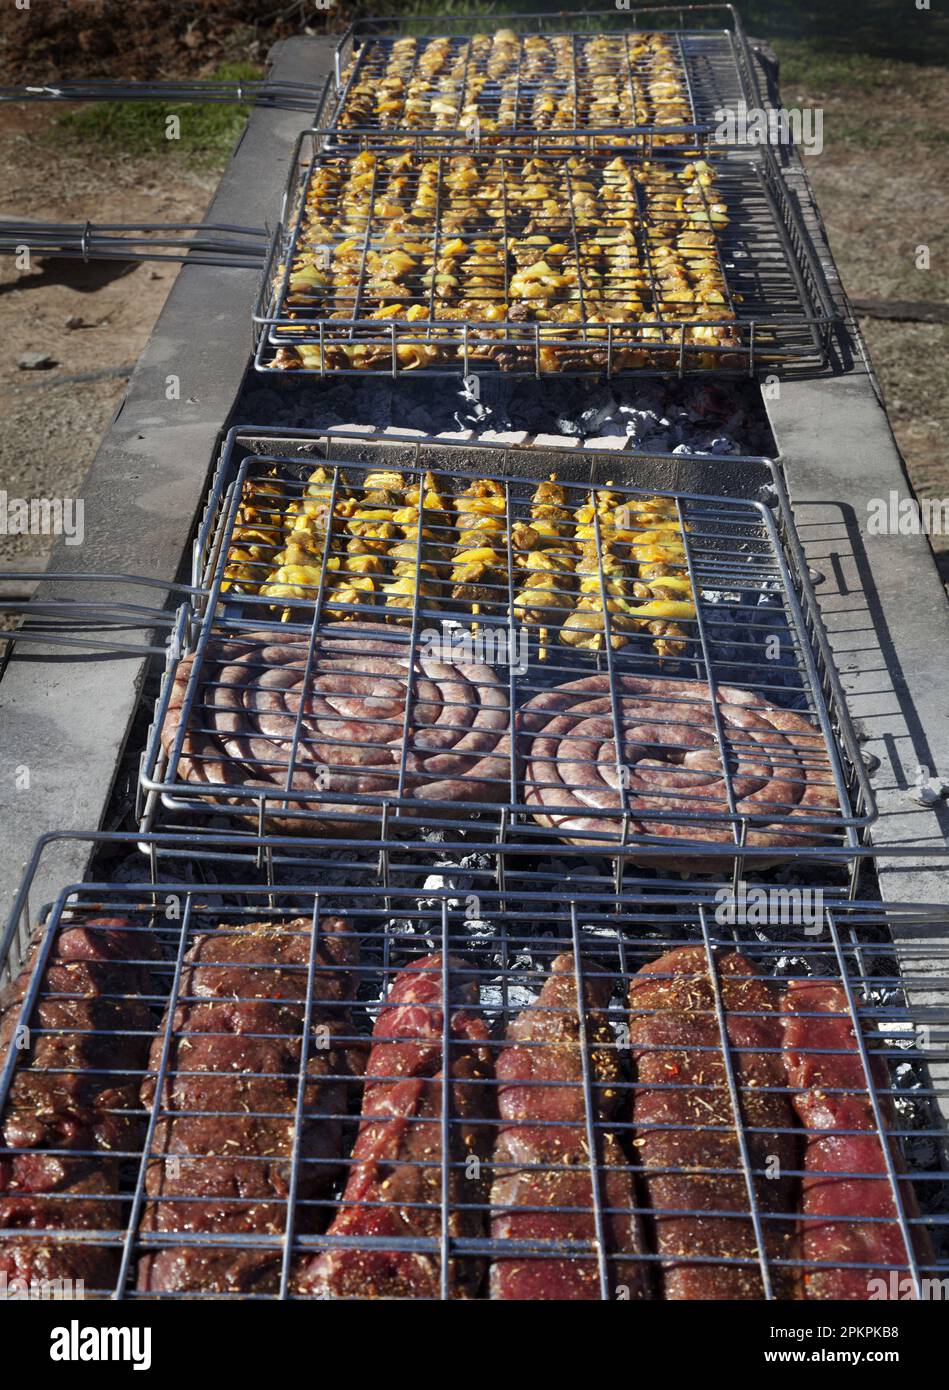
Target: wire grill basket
(539, 1153)
(442, 261)
(556, 78)
(440, 682)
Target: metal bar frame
(785, 315)
(705, 521)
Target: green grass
(869, 135)
(811, 67)
(139, 128)
(861, 94)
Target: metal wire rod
(263, 92)
(203, 243)
(68, 619)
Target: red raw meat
(395, 1182)
(542, 1127)
(73, 1108)
(821, 1052)
(672, 1016)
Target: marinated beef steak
(72, 1111)
(838, 1209)
(224, 1140)
(679, 1083)
(543, 1188)
(394, 1189)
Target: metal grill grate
(885, 1080)
(421, 259)
(534, 85)
(557, 77)
(504, 728)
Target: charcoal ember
(609, 429)
(534, 420)
(706, 401)
(422, 419)
(654, 443)
(595, 414)
(265, 403)
(568, 426)
(476, 412)
(655, 415)
(639, 424)
(721, 445)
(645, 396)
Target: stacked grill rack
(421, 778)
(657, 264)
(266, 712)
(888, 969)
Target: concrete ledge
(66, 717)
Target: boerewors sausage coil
(245, 731)
(669, 763)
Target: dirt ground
(882, 188)
(52, 425)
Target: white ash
(654, 415)
(495, 997)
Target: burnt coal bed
(655, 415)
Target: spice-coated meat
(224, 1139)
(543, 1188)
(686, 1130)
(825, 1068)
(72, 1110)
(394, 1189)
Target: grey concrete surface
(65, 717)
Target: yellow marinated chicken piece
(256, 535)
(542, 560)
(586, 627)
(609, 521)
(375, 213)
